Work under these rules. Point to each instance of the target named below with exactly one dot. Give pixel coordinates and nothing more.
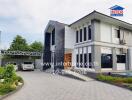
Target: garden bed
(9, 80)
(125, 82)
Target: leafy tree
(36, 46)
(19, 43)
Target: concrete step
(77, 75)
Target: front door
(67, 60)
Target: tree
(19, 43)
(36, 46)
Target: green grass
(122, 81)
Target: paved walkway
(44, 86)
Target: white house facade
(96, 41)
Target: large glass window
(53, 37)
(81, 60)
(121, 58)
(85, 33)
(77, 60)
(89, 32)
(85, 60)
(80, 35)
(76, 36)
(90, 60)
(106, 60)
(117, 33)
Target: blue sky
(29, 17)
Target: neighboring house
(96, 41)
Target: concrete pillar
(96, 58)
(130, 58)
(127, 61)
(114, 59)
(95, 29)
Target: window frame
(85, 34)
(89, 33)
(81, 35)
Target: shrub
(6, 88)
(2, 72)
(9, 71)
(19, 79)
(10, 79)
(128, 80)
(114, 79)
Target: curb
(13, 92)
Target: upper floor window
(53, 37)
(85, 34)
(117, 33)
(76, 36)
(89, 32)
(80, 35)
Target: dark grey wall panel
(59, 45)
(47, 52)
(59, 42)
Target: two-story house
(96, 41)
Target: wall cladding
(47, 52)
(59, 42)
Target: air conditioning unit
(123, 51)
(122, 42)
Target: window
(81, 60)
(85, 60)
(77, 60)
(80, 35)
(85, 33)
(90, 60)
(53, 37)
(121, 58)
(117, 33)
(106, 60)
(76, 36)
(89, 32)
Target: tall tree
(19, 43)
(36, 46)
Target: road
(44, 86)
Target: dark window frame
(85, 60)
(81, 35)
(89, 33)
(77, 60)
(106, 60)
(85, 33)
(53, 37)
(121, 58)
(118, 34)
(77, 36)
(90, 60)
(81, 60)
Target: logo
(116, 11)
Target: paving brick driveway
(44, 86)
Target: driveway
(44, 86)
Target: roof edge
(100, 14)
